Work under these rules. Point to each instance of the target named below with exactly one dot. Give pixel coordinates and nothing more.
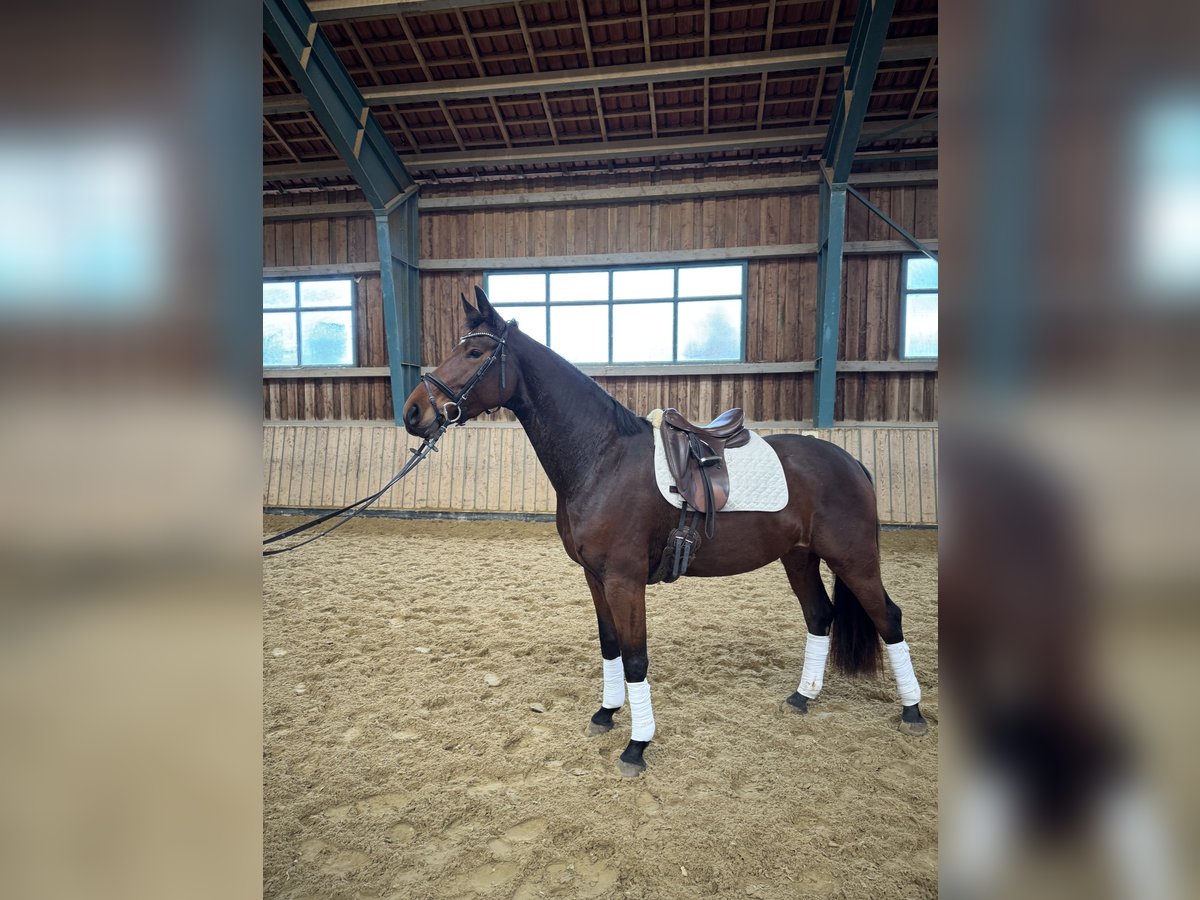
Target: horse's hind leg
(614, 672)
(804, 574)
(858, 589)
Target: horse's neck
(568, 417)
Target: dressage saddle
(696, 457)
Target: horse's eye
(474, 354)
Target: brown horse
(615, 524)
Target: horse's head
(475, 377)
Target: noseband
(458, 398)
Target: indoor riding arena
(702, 204)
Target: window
(920, 308)
(652, 314)
(1163, 224)
(308, 323)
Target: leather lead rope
(429, 445)
(358, 506)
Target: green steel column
(363, 145)
(399, 243)
(829, 299)
(841, 142)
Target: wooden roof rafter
(646, 57)
(768, 39)
(820, 91)
(429, 77)
(534, 68)
(586, 32)
(479, 67)
(458, 78)
(916, 104)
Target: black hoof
(602, 722)
(631, 764)
(911, 720)
(798, 702)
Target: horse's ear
(485, 306)
(472, 312)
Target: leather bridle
(458, 398)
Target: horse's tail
(866, 471)
(855, 644)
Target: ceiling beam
(653, 257)
(610, 76)
(615, 149)
(686, 190)
(627, 44)
(637, 90)
(602, 150)
(341, 10)
(346, 122)
(334, 10)
(291, 171)
(612, 149)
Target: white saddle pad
(756, 482)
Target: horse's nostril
(413, 415)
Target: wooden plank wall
(492, 468)
(781, 306)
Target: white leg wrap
(1142, 847)
(641, 711)
(902, 668)
(614, 684)
(816, 651)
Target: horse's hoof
(630, 770)
(912, 722)
(797, 703)
(631, 764)
(602, 722)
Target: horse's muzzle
(417, 423)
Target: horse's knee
(636, 666)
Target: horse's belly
(744, 542)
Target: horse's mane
(627, 421)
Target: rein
(429, 445)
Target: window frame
(905, 292)
(610, 304)
(297, 310)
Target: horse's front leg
(626, 596)
(610, 650)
